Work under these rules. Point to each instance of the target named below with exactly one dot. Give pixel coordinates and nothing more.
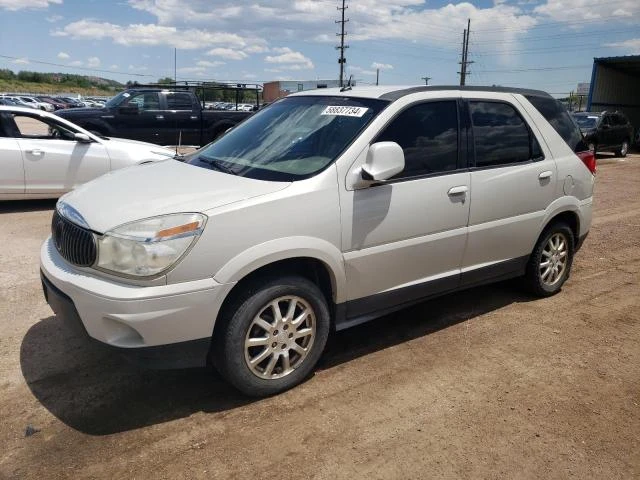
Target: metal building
(615, 85)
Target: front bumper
(163, 326)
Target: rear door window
(556, 114)
(179, 101)
(501, 135)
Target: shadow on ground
(92, 390)
(15, 206)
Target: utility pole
(465, 54)
(342, 46)
(377, 76)
(426, 80)
(175, 66)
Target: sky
(542, 44)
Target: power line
(41, 62)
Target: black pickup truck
(156, 115)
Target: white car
(321, 212)
(35, 103)
(44, 156)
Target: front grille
(74, 243)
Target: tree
(166, 81)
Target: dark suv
(605, 131)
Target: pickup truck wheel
(623, 150)
(550, 263)
(273, 336)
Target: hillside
(37, 82)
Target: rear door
(53, 161)
(182, 118)
(512, 183)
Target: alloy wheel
(554, 258)
(280, 337)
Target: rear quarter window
(556, 114)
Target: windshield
(585, 122)
(292, 139)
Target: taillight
(589, 159)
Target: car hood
(160, 188)
(125, 142)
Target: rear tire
(272, 336)
(550, 263)
(623, 150)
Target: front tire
(550, 263)
(273, 335)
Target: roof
(629, 64)
(394, 92)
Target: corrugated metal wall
(615, 90)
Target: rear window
(560, 120)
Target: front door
(140, 117)
(407, 236)
(53, 161)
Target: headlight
(150, 246)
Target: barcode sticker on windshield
(345, 111)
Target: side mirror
(384, 160)
(82, 138)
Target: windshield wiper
(216, 163)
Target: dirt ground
(488, 383)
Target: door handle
(159, 117)
(35, 151)
(194, 117)
(459, 190)
(546, 174)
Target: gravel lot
(488, 383)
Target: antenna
(342, 46)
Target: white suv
(324, 210)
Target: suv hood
(160, 188)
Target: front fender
(286, 248)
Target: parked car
(33, 102)
(160, 116)
(606, 131)
(44, 156)
(57, 104)
(8, 101)
(323, 211)
(72, 102)
(19, 102)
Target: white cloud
(289, 59)
(114, 67)
(206, 63)
(93, 62)
(138, 68)
(631, 46)
(152, 35)
(191, 69)
(249, 76)
(572, 10)
(382, 66)
(53, 18)
(63, 56)
(228, 53)
(21, 61)
(272, 70)
(75, 63)
(22, 4)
